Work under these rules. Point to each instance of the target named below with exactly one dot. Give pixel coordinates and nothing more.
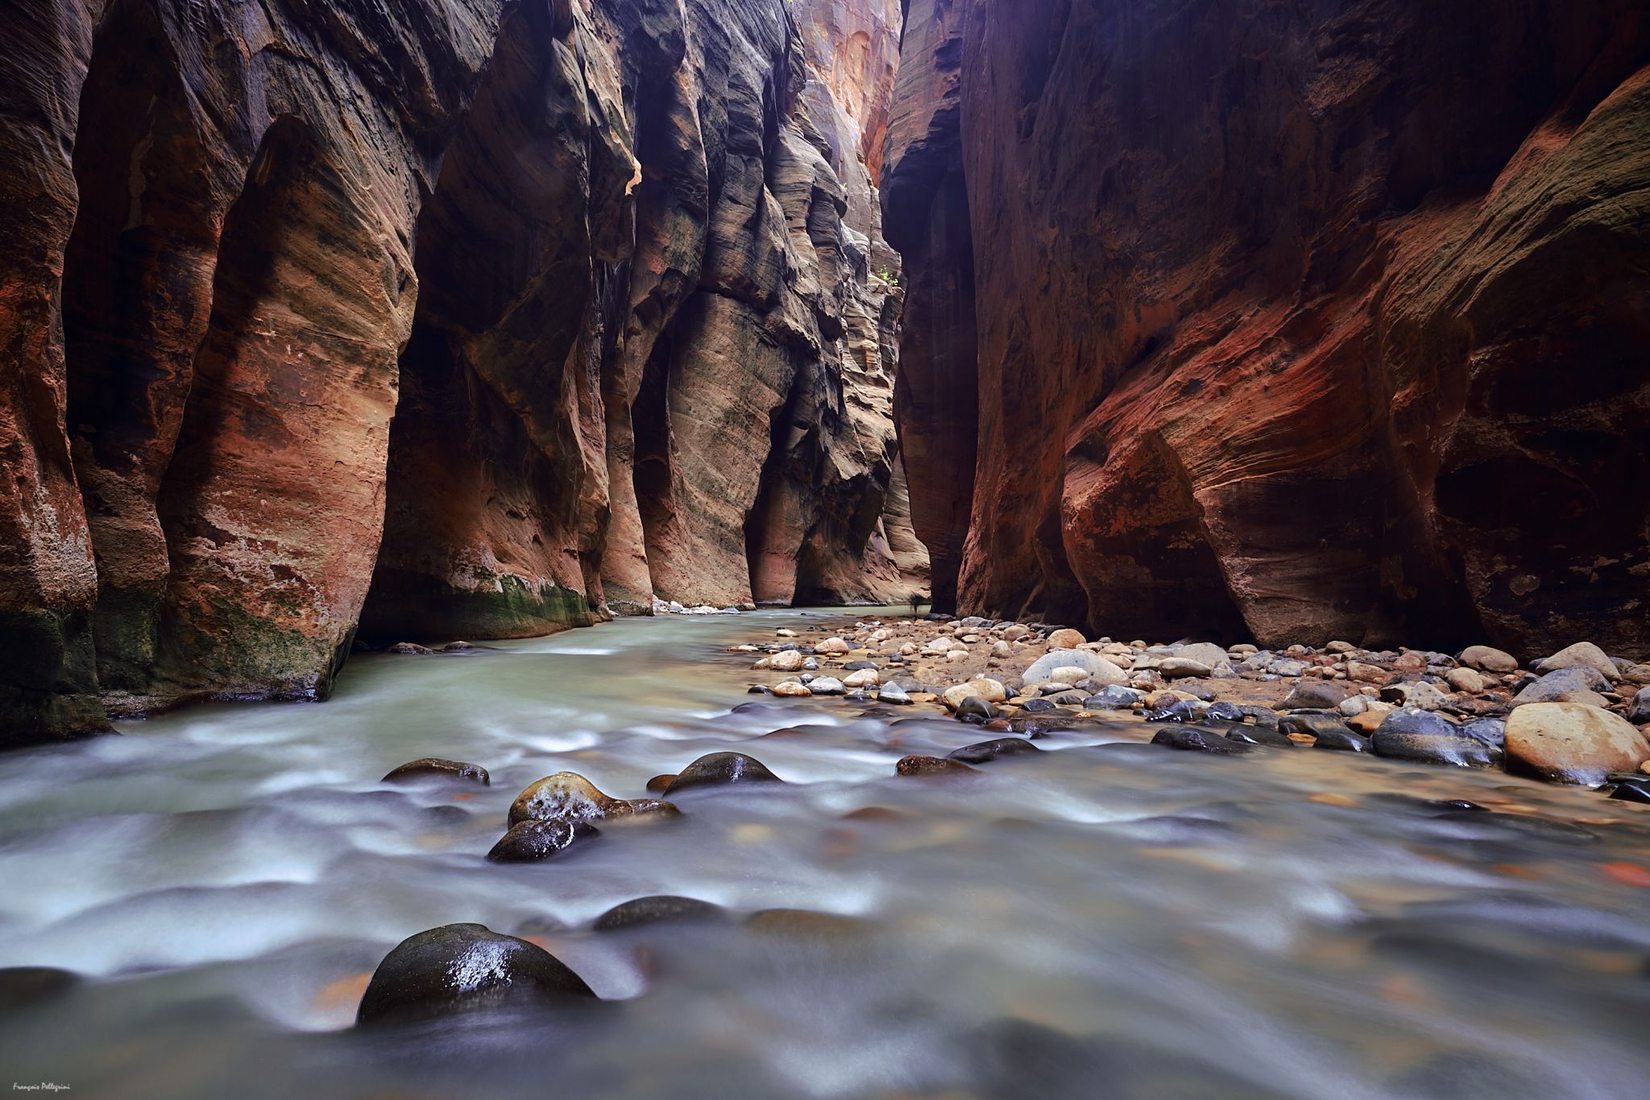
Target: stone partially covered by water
(464, 968)
(721, 769)
(436, 768)
(658, 909)
(568, 796)
(534, 841)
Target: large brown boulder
(1297, 321)
(1572, 743)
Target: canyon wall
(1295, 321)
(456, 318)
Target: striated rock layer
(1292, 321)
(449, 318)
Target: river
(1102, 919)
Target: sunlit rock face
(1310, 321)
(461, 318)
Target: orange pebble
(1628, 874)
(343, 994)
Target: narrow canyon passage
(825, 548)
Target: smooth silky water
(1102, 919)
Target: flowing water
(1101, 919)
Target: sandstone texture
(445, 318)
(1291, 322)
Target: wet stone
(464, 968)
(976, 709)
(432, 767)
(1341, 740)
(658, 909)
(987, 751)
(1193, 739)
(1408, 721)
(26, 986)
(1115, 697)
(917, 765)
(1491, 731)
(1318, 725)
(1258, 735)
(572, 797)
(1631, 788)
(446, 816)
(721, 769)
(1447, 749)
(533, 841)
(1181, 710)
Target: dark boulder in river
(720, 769)
(464, 968)
(533, 841)
(432, 767)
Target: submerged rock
(987, 751)
(929, 765)
(432, 767)
(720, 769)
(464, 968)
(658, 909)
(532, 841)
(26, 986)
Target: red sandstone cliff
(449, 318)
(1298, 321)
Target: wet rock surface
(568, 796)
(659, 909)
(535, 841)
(460, 968)
(721, 769)
(435, 768)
